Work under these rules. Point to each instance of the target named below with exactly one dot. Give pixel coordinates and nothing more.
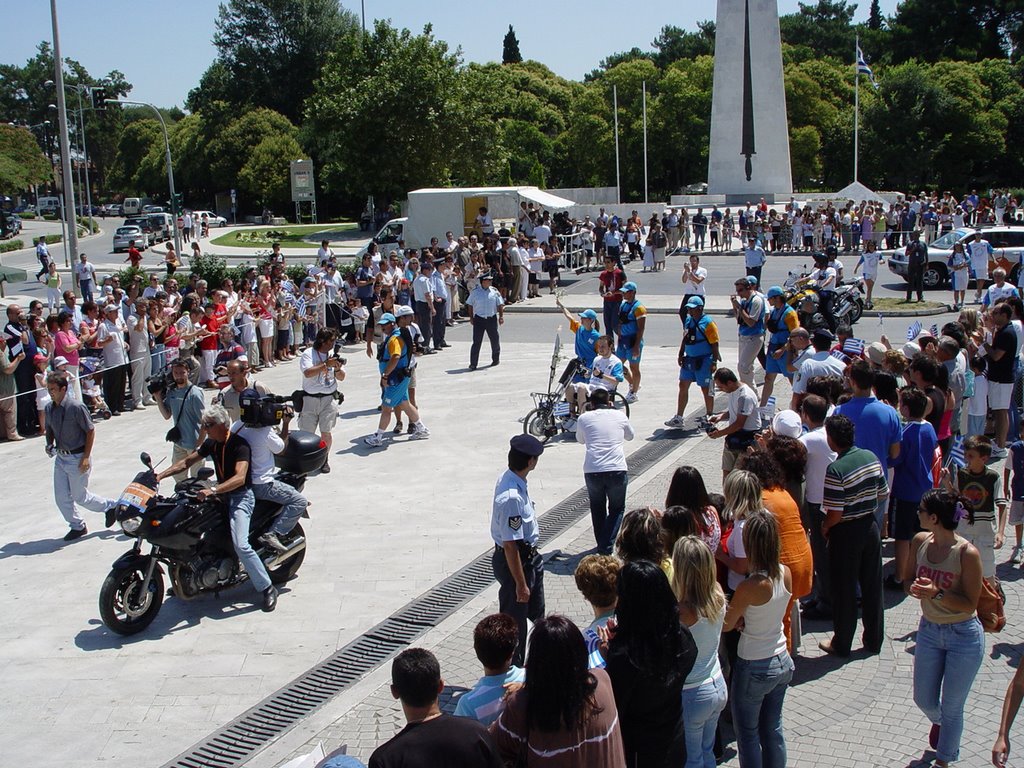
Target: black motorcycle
(191, 538)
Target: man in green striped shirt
(854, 484)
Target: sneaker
(676, 422)
(398, 428)
(374, 441)
(631, 398)
(271, 540)
(703, 423)
(1015, 554)
(419, 433)
(998, 453)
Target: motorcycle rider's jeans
(293, 504)
(240, 505)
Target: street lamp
(65, 147)
(84, 160)
(170, 167)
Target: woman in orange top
(796, 550)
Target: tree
(962, 30)
(875, 16)
(826, 28)
(138, 141)
(674, 44)
(536, 177)
(22, 163)
(265, 176)
(270, 52)
(510, 49)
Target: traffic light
(99, 97)
(176, 202)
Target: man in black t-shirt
(232, 459)
(1001, 352)
(431, 738)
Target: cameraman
(238, 376)
(265, 443)
(182, 403)
(232, 460)
(322, 369)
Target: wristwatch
(939, 594)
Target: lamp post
(170, 168)
(65, 146)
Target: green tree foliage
(510, 48)
(269, 52)
(139, 140)
(823, 28)
(22, 163)
(961, 30)
(676, 44)
(264, 177)
(875, 16)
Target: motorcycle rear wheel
(289, 567)
(122, 609)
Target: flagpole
(645, 139)
(856, 112)
(618, 181)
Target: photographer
(232, 460)
(322, 369)
(182, 403)
(265, 443)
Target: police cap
(527, 444)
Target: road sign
(302, 180)
(232, 197)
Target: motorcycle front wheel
(289, 567)
(123, 608)
(540, 423)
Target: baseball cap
(774, 291)
(695, 302)
(875, 352)
(589, 314)
(403, 310)
(386, 318)
(110, 308)
(630, 286)
(788, 424)
(911, 350)
(486, 276)
(59, 361)
(751, 279)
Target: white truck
(433, 212)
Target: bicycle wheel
(540, 423)
(619, 403)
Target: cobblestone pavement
(858, 713)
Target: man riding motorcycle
(232, 461)
(823, 278)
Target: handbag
(174, 433)
(990, 606)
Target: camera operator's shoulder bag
(174, 433)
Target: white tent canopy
(545, 199)
(856, 192)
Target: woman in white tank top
(945, 574)
(764, 668)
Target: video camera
(336, 353)
(158, 383)
(259, 410)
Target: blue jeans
(946, 661)
(240, 505)
(701, 707)
(293, 504)
(758, 690)
(607, 492)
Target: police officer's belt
(526, 551)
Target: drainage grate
(236, 742)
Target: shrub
(214, 270)
(50, 239)
(89, 224)
(129, 273)
(27, 215)
(11, 245)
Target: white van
(47, 205)
(132, 206)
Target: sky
(163, 47)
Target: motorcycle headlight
(131, 525)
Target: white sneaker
(631, 397)
(420, 433)
(676, 422)
(1015, 554)
(374, 441)
(998, 453)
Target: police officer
(517, 564)
(486, 312)
(69, 439)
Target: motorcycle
(191, 538)
(847, 303)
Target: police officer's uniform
(487, 305)
(513, 518)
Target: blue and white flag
(934, 330)
(956, 453)
(914, 331)
(863, 68)
(838, 355)
(853, 347)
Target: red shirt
(134, 256)
(613, 282)
(212, 324)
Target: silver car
(123, 236)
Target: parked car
(153, 209)
(163, 226)
(1007, 249)
(145, 224)
(11, 225)
(211, 217)
(124, 235)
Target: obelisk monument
(749, 152)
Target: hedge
(11, 245)
(26, 215)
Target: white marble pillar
(749, 152)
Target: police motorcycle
(191, 538)
(847, 301)
(551, 412)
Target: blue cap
(751, 279)
(630, 286)
(386, 318)
(695, 302)
(527, 444)
(775, 291)
(589, 314)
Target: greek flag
(853, 347)
(768, 410)
(914, 331)
(935, 330)
(863, 68)
(838, 355)
(300, 307)
(956, 453)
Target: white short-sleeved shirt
(734, 545)
(603, 432)
(819, 456)
(690, 287)
(743, 402)
(264, 444)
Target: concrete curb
(717, 312)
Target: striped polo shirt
(853, 484)
(485, 702)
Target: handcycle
(552, 411)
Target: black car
(10, 226)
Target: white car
(211, 217)
(124, 236)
